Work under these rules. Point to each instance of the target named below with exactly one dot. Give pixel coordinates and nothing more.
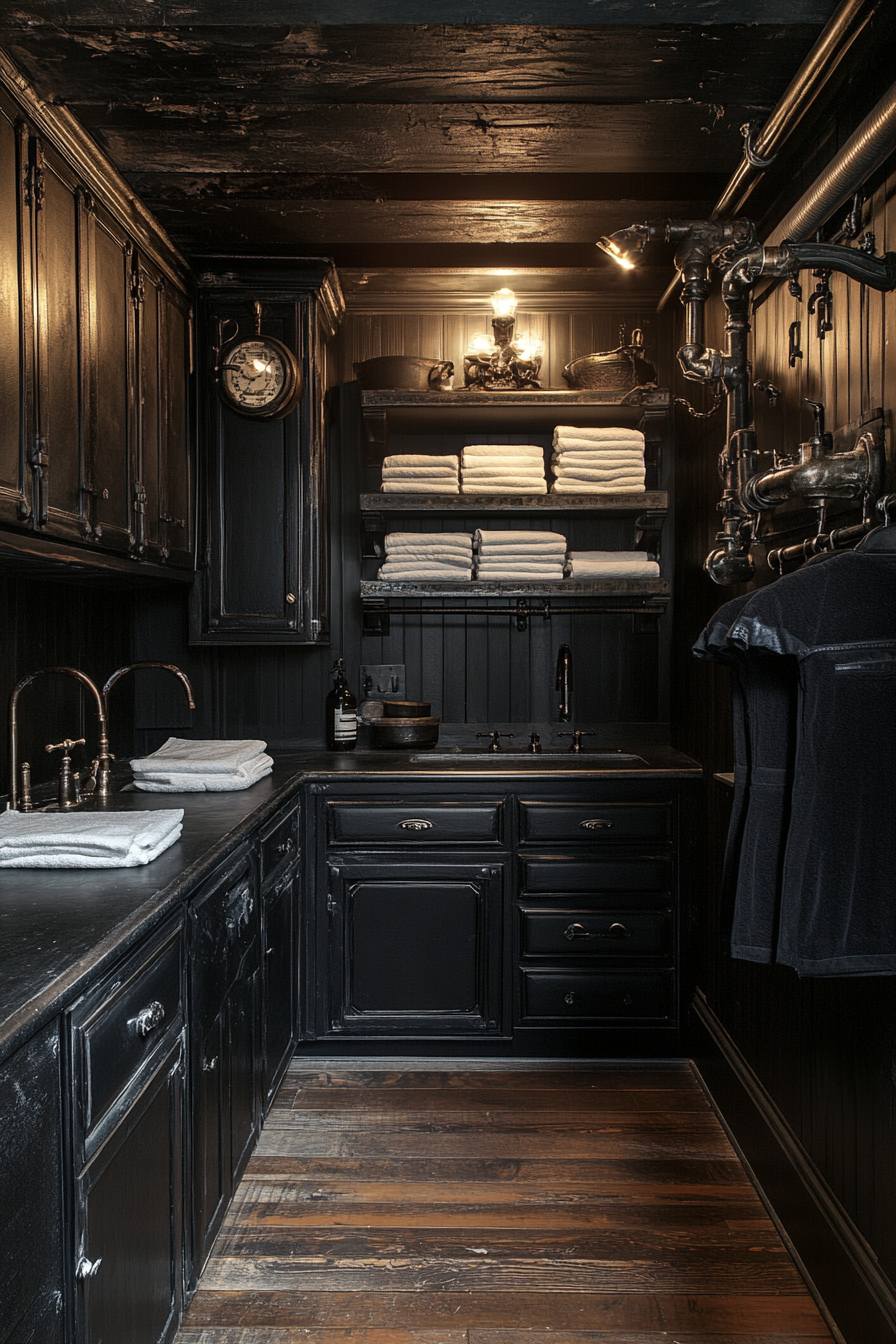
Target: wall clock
(258, 376)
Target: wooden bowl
(404, 734)
(406, 709)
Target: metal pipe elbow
(700, 364)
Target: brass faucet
(103, 757)
(133, 667)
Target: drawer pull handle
(415, 824)
(579, 931)
(149, 1018)
(285, 848)
(627, 1000)
(86, 1269)
(569, 998)
(596, 824)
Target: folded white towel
(492, 477)
(598, 454)
(422, 460)
(461, 541)
(442, 486)
(203, 757)
(502, 463)
(527, 575)
(424, 573)
(486, 567)
(578, 567)
(409, 555)
(496, 537)
(419, 474)
(406, 562)
(627, 475)
(544, 551)
(574, 485)
(601, 434)
(515, 487)
(503, 450)
(182, 781)
(86, 839)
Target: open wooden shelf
(652, 501)
(658, 589)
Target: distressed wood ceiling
(387, 143)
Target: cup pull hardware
(579, 931)
(596, 824)
(415, 824)
(150, 1017)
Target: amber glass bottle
(341, 713)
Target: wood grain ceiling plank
(521, 63)
(454, 137)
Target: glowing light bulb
(481, 345)
(614, 251)
(503, 303)
(528, 346)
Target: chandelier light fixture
(503, 362)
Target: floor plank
(427, 1203)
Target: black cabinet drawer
(594, 823)
(591, 996)
(634, 873)
(589, 933)
(415, 823)
(279, 842)
(120, 1024)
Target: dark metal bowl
(406, 709)
(401, 734)
(408, 373)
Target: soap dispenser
(341, 713)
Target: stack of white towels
(87, 839)
(182, 765)
(519, 555)
(498, 468)
(427, 556)
(597, 461)
(422, 474)
(611, 565)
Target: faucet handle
(65, 745)
(495, 743)
(577, 735)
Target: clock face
(259, 377)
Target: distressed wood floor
(436, 1203)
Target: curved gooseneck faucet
(103, 757)
(133, 667)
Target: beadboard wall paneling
(824, 1049)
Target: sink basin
(518, 756)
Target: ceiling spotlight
(625, 246)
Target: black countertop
(60, 929)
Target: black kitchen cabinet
(225, 1042)
(95, 355)
(127, 1042)
(263, 548)
(281, 941)
(31, 1228)
(414, 946)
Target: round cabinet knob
(627, 1000)
(149, 1018)
(415, 824)
(569, 998)
(290, 597)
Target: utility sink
(518, 756)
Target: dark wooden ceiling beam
(453, 137)
(322, 224)
(399, 63)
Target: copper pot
(616, 370)
(403, 373)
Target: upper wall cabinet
(263, 542)
(94, 362)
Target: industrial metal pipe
(864, 152)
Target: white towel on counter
(200, 756)
(611, 564)
(574, 485)
(175, 781)
(443, 460)
(86, 839)
(487, 536)
(531, 450)
(442, 486)
(461, 541)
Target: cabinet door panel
(113, 383)
(176, 504)
(59, 351)
(415, 949)
(15, 505)
(280, 961)
(130, 1216)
